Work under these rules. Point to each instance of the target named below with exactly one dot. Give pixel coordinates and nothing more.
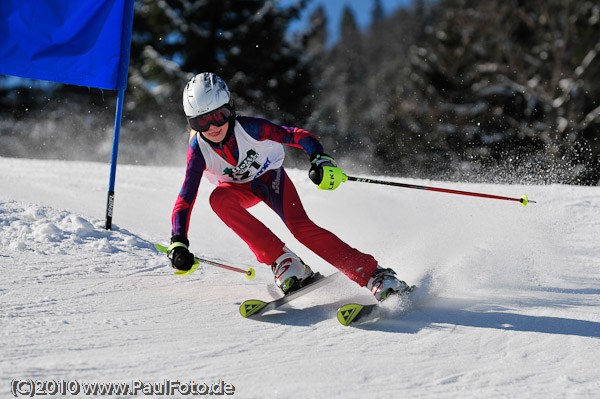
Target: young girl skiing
(243, 156)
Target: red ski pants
(230, 202)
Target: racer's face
(216, 134)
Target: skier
(244, 156)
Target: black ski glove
(180, 256)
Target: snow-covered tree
(505, 80)
(243, 41)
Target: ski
(354, 312)
(255, 307)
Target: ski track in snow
(506, 305)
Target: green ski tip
(252, 306)
(347, 313)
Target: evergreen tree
(340, 87)
(377, 14)
(242, 41)
(361, 77)
(316, 52)
(398, 143)
(496, 77)
(315, 37)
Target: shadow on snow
(433, 317)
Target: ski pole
(250, 273)
(523, 200)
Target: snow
(507, 304)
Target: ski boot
(384, 282)
(290, 272)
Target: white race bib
(255, 158)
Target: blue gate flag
(80, 42)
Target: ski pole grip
(332, 178)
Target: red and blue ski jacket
(259, 129)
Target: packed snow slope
(507, 304)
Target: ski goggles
(218, 117)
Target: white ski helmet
(204, 93)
